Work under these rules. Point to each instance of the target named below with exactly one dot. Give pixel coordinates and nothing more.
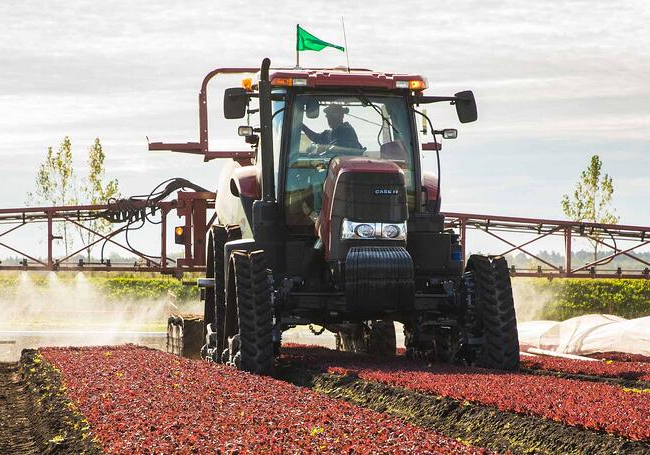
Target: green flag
(305, 41)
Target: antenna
(345, 40)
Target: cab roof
(342, 77)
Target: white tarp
(588, 334)
(632, 337)
(531, 332)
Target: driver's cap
(336, 109)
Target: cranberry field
(131, 399)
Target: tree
(95, 191)
(56, 185)
(592, 199)
(55, 182)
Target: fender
(430, 185)
(245, 182)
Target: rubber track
(478, 425)
(255, 313)
(507, 344)
(500, 348)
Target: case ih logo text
(385, 191)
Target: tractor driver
(341, 134)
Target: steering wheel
(324, 151)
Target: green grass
(562, 299)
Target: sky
(555, 82)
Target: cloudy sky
(555, 82)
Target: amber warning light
(415, 85)
(289, 82)
(247, 84)
(179, 235)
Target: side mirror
(235, 101)
(466, 107)
(312, 108)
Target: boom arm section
(202, 147)
(110, 224)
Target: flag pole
(345, 40)
(297, 51)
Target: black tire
(382, 340)
(254, 313)
(492, 314)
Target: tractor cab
(318, 115)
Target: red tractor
(331, 220)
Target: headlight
(390, 230)
(383, 231)
(365, 230)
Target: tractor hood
(360, 190)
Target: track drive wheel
(490, 314)
(251, 349)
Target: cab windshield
(325, 126)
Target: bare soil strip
(36, 417)
(16, 419)
(628, 383)
(482, 426)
